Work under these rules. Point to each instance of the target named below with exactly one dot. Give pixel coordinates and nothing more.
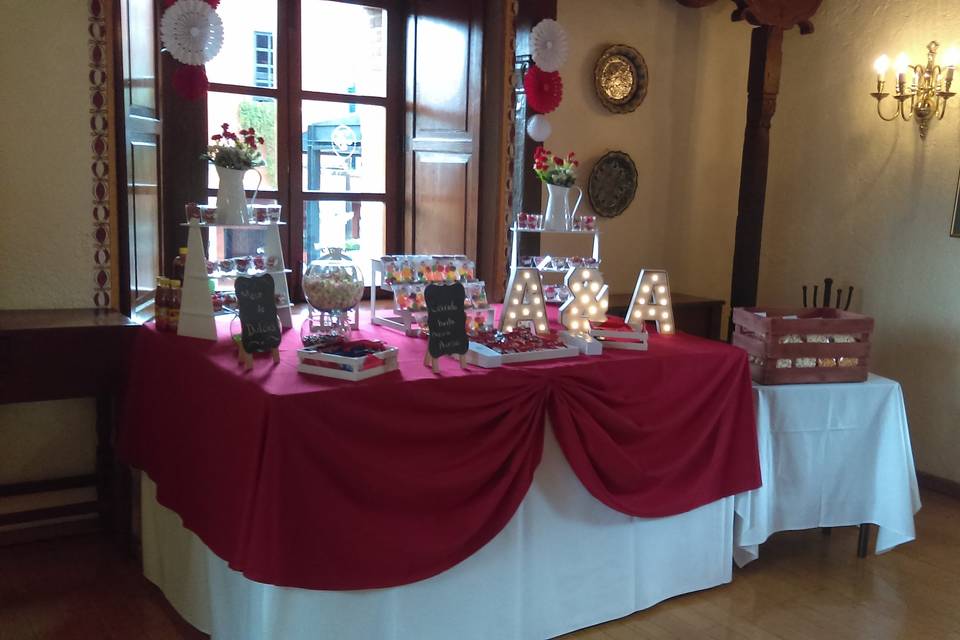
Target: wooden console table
(693, 315)
(69, 353)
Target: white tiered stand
(196, 307)
(515, 245)
(400, 320)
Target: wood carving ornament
(784, 14)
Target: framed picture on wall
(955, 224)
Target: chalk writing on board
(260, 327)
(446, 319)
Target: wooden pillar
(763, 83)
(770, 18)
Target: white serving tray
(353, 370)
(485, 357)
(640, 337)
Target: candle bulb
(950, 59)
(881, 65)
(901, 64)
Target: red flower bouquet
(232, 151)
(553, 169)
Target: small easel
(245, 358)
(434, 363)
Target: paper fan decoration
(544, 89)
(191, 31)
(549, 44)
(190, 81)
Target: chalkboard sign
(446, 320)
(260, 327)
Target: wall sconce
(929, 88)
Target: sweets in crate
(788, 346)
(806, 363)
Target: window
(262, 59)
(331, 117)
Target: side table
(57, 354)
(831, 455)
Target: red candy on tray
(520, 340)
(348, 349)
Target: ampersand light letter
(588, 299)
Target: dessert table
(830, 455)
(524, 501)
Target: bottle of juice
(173, 305)
(179, 263)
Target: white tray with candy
(354, 360)
(491, 348)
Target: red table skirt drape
(310, 482)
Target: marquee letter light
(588, 299)
(523, 303)
(652, 301)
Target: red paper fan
(190, 81)
(544, 89)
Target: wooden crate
(760, 337)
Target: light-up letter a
(588, 299)
(652, 301)
(523, 302)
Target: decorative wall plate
(620, 78)
(613, 184)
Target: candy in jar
(332, 285)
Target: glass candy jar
(332, 286)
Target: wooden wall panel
(444, 80)
(441, 182)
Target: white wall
(848, 196)
(45, 199)
(685, 138)
(45, 178)
(869, 204)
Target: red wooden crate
(760, 337)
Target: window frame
(289, 95)
(270, 67)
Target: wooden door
(444, 67)
(138, 170)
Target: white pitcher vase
(231, 197)
(559, 214)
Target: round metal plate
(612, 184)
(620, 78)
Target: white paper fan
(191, 31)
(549, 44)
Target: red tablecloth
(298, 480)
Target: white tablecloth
(830, 455)
(565, 561)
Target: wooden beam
(771, 18)
(763, 83)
